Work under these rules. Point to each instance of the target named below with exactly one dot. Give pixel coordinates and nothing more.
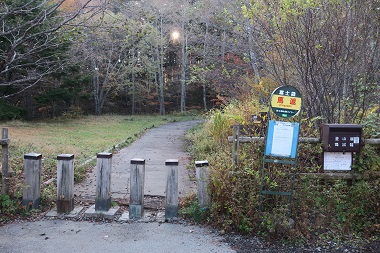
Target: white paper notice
(282, 139)
(337, 161)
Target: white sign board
(282, 139)
(337, 161)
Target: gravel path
(155, 146)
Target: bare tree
(30, 38)
(326, 49)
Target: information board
(282, 139)
(337, 161)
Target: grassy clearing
(83, 137)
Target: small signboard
(286, 101)
(282, 139)
(341, 137)
(337, 161)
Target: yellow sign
(286, 102)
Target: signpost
(286, 101)
(282, 139)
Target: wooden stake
(202, 174)
(65, 183)
(103, 182)
(171, 209)
(31, 193)
(137, 177)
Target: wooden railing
(237, 139)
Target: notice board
(282, 139)
(337, 161)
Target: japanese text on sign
(286, 101)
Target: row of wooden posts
(65, 184)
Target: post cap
(32, 156)
(104, 155)
(201, 163)
(171, 162)
(137, 161)
(65, 157)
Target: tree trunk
(204, 66)
(183, 69)
(223, 46)
(96, 85)
(252, 54)
(160, 55)
(133, 84)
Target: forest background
(97, 56)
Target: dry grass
(84, 137)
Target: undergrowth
(321, 210)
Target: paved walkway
(155, 146)
(60, 236)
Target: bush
(9, 112)
(330, 210)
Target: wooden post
(235, 147)
(137, 177)
(202, 175)
(171, 209)
(31, 193)
(103, 182)
(65, 183)
(5, 172)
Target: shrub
(9, 112)
(320, 209)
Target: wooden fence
(238, 139)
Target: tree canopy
(127, 60)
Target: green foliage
(8, 205)
(191, 210)
(74, 112)
(371, 124)
(368, 160)
(29, 42)
(336, 207)
(8, 112)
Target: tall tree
(325, 48)
(30, 36)
(103, 51)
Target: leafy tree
(32, 42)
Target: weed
(191, 210)
(8, 206)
